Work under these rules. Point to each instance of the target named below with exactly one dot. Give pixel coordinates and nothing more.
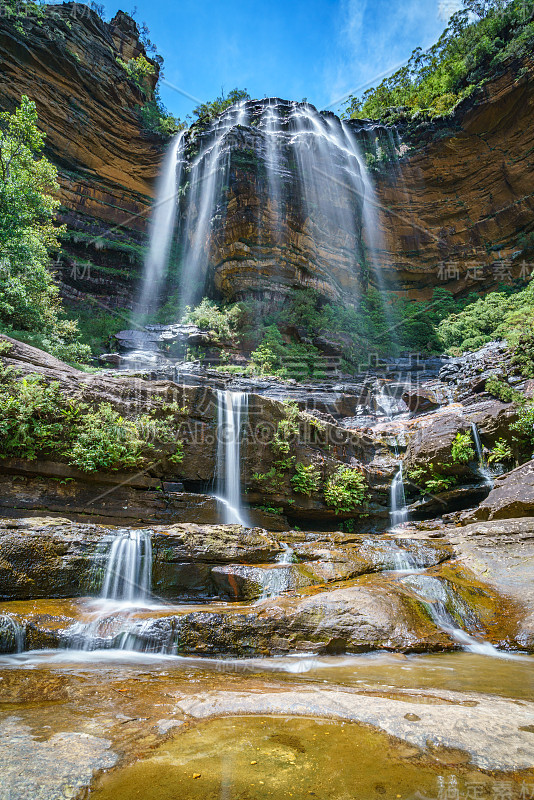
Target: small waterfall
(12, 635)
(448, 611)
(278, 579)
(127, 583)
(232, 409)
(162, 225)
(128, 573)
(397, 500)
(483, 469)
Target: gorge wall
(67, 63)
(456, 210)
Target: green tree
(212, 109)
(29, 300)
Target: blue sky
(318, 49)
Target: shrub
(223, 323)
(525, 423)
(306, 479)
(287, 429)
(500, 453)
(37, 420)
(346, 490)
(502, 390)
(462, 448)
(440, 483)
(523, 354)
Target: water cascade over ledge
(303, 174)
(232, 409)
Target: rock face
(449, 203)
(180, 492)
(87, 106)
(512, 496)
(335, 593)
(467, 188)
(501, 553)
(56, 558)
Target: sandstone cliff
(456, 212)
(67, 63)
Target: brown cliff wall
(67, 63)
(465, 200)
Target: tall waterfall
(232, 408)
(295, 156)
(397, 500)
(128, 573)
(162, 224)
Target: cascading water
(312, 163)
(206, 177)
(12, 635)
(232, 409)
(126, 585)
(449, 611)
(162, 224)
(483, 468)
(397, 500)
(128, 573)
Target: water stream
(397, 500)
(232, 410)
(483, 468)
(162, 225)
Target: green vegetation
(432, 481)
(376, 324)
(287, 429)
(208, 111)
(501, 452)
(30, 308)
(346, 490)
(21, 10)
(463, 450)
(38, 421)
(502, 390)
(505, 314)
(476, 44)
(285, 359)
(145, 74)
(525, 423)
(523, 354)
(306, 480)
(224, 324)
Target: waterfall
(127, 584)
(445, 607)
(397, 500)
(483, 469)
(271, 154)
(12, 635)
(232, 409)
(207, 176)
(162, 225)
(128, 573)
(311, 158)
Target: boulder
(430, 443)
(512, 496)
(420, 398)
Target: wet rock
(512, 496)
(49, 768)
(430, 444)
(501, 553)
(420, 399)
